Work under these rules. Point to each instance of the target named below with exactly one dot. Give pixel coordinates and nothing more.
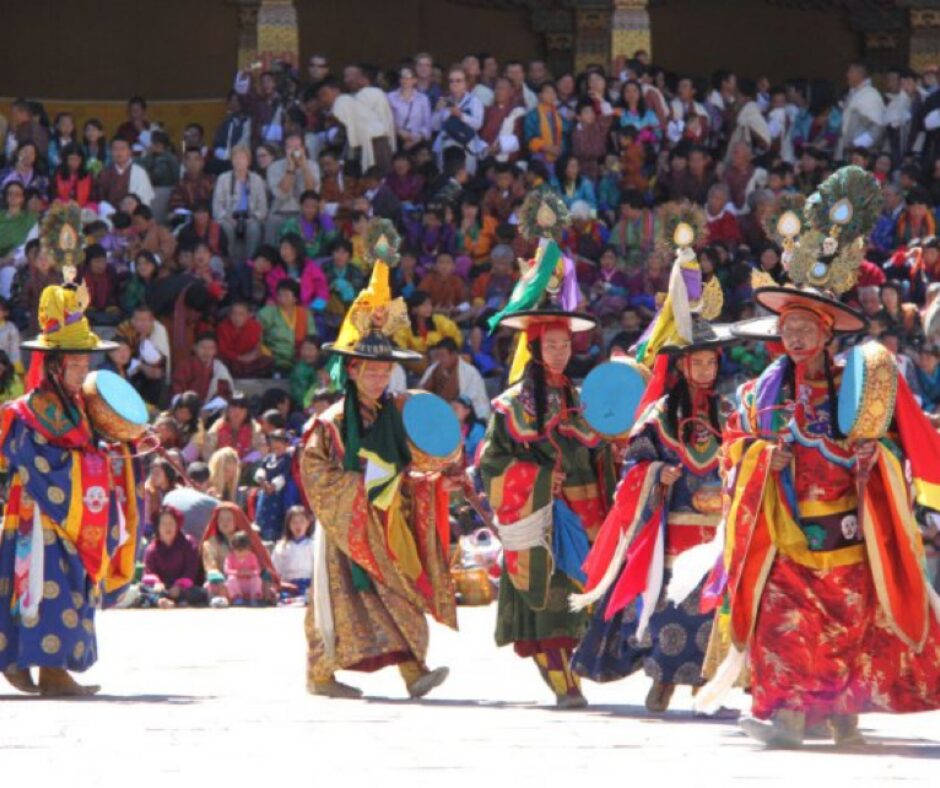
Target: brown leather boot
(22, 680)
(657, 699)
(57, 683)
(845, 731)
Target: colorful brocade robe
(70, 530)
(516, 464)
(826, 583)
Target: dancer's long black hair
(836, 433)
(536, 370)
(679, 407)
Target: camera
(241, 224)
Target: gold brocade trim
(816, 508)
(693, 520)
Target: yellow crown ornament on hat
(373, 312)
(681, 226)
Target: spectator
(243, 583)
(426, 329)
(9, 337)
(233, 132)
(71, 181)
(544, 129)
(450, 377)
(572, 185)
(173, 573)
(751, 127)
(218, 542)
(28, 284)
(607, 286)
(160, 162)
(916, 220)
(411, 110)
(95, 147)
(203, 372)
(472, 427)
(185, 410)
(360, 80)
(195, 187)
(722, 223)
(203, 229)
(448, 292)
(236, 429)
(457, 118)
(285, 325)
(405, 184)
(26, 127)
(315, 228)
(17, 224)
(863, 120)
(308, 373)
(240, 344)
(263, 106)
(25, 170)
(589, 139)
(288, 179)
(161, 479)
(382, 200)
(424, 72)
(224, 474)
(273, 477)
(633, 236)
(136, 129)
(135, 289)
(344, 280)
(522, 94)
(150, 236)
(504, 195)
(102, 284)
(240, 205)
(151, 348)
(11, 384)
(637, 114)
(927, 378)
(122, 176)
(355, 127)
(742, 176)
(293, 554)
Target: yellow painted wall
(174, 115)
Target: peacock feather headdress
(61, 238)
(839, 215)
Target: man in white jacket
(439, 378)
(863, 118)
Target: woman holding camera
(240, 205)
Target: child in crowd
(273, 476)
(293, 554)
(243, 573)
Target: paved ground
(216, 698)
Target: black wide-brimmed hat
(374, 346)
(705, 336)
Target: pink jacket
(243, 567)
(313, 286)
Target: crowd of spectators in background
(222, 263)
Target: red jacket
(235, 342)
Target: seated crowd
(223, 267)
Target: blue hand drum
(610, 395)
(433, 432)
(115, 408)
(868, 391)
